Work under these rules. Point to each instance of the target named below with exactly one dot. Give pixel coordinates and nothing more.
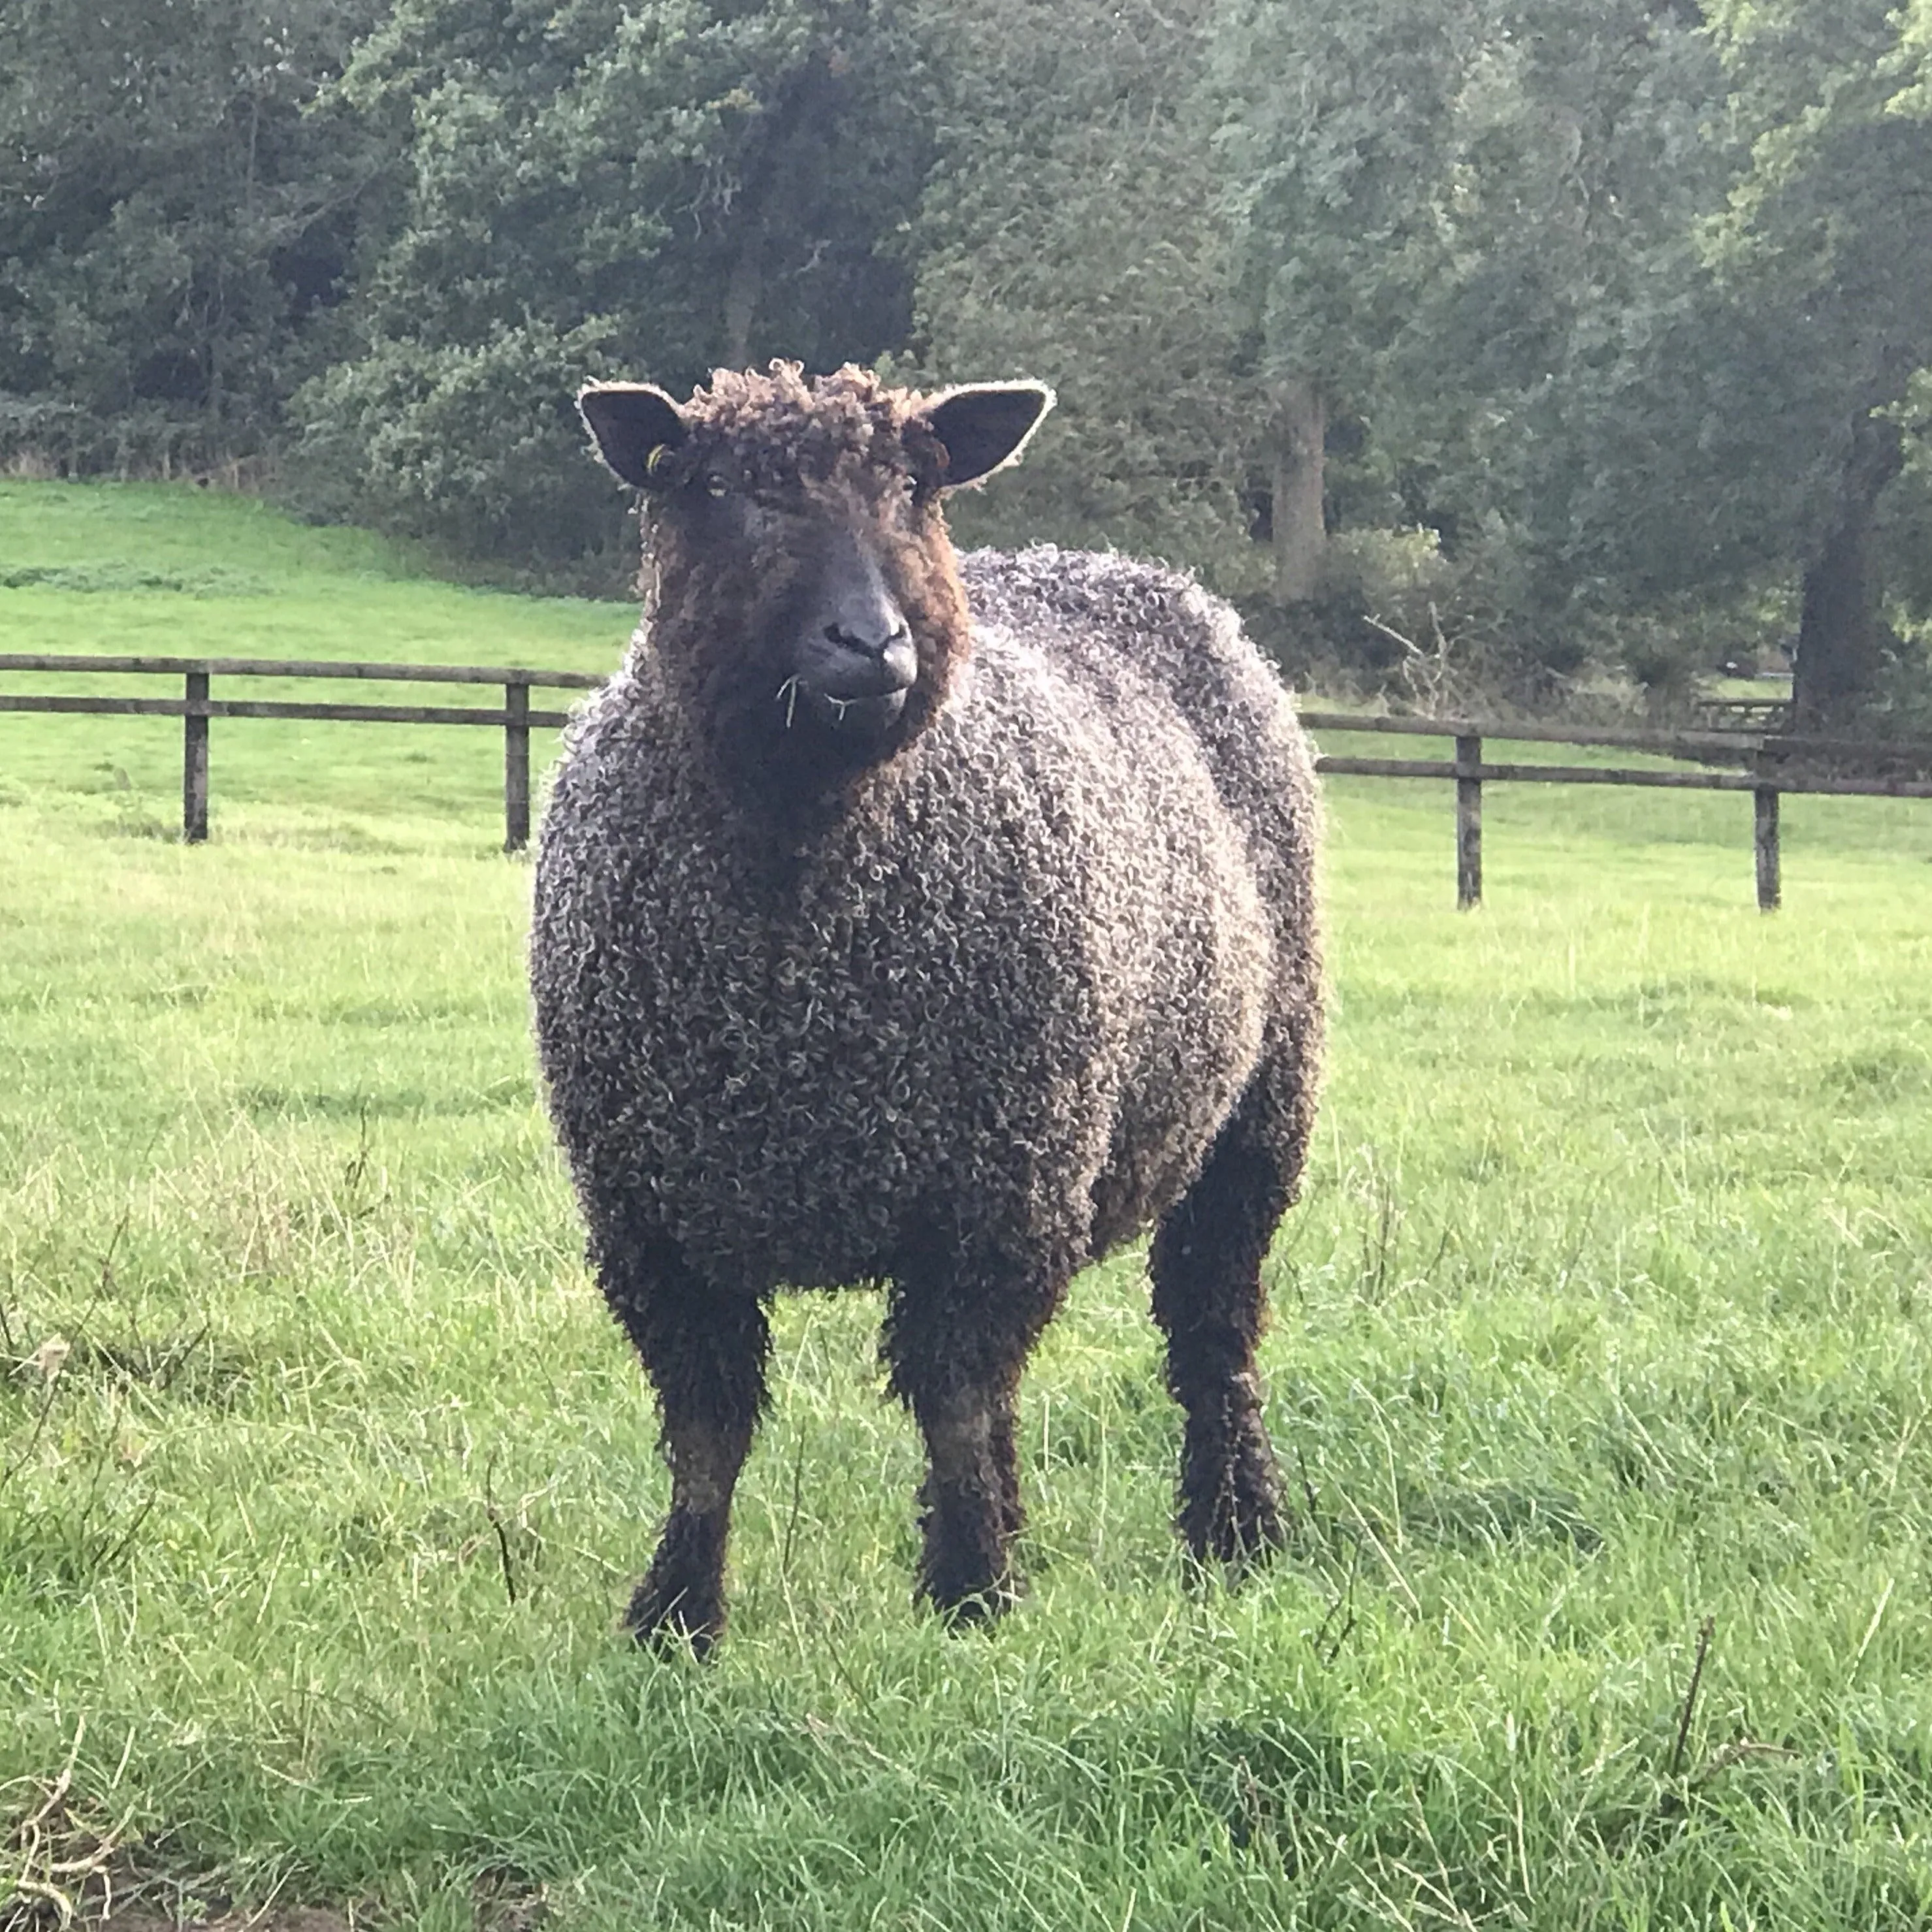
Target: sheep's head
(807, 599)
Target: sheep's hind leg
(955, 1354)
(705, 1352)
(1206, 1263)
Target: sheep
(929, 922)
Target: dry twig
(1690, 1694)
(52, 1866)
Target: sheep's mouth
(865, 716)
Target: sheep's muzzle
(853, 658)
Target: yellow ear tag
(658, 458)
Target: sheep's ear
(985, 425)
(637, 427)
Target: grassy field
(168, 572)
(322, 1473)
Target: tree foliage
(173, 218)
(1588, 331)
(1827, 231)
(1068, 231)
(598, 188)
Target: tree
(1553, 385)
(173, 218)
(1829, 230)
(1336, 120)
(1069, 231)
(1632, 294)
(597, 189)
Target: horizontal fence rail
(1769, 756)
(336, 668)
(229, 707)
(1434, 768)
(1670, 743)
(1771, 762)
(514, 717)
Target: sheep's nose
(863, 618)
(861, 614)
(858, 642)
(886, 642)
(871, 634)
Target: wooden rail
(1772, 764)
(1761, 714)
(514, 717)
(1770, 775)
(1702, 743)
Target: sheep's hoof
(667, 1620)
(976, 1605)
(680, 1603)
(1237, 1526)
(1231, 1556)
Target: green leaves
(1068, 232)
(597, 190)
(1824, 234)
(173, 215)
(1609, 298)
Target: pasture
(323, 1473)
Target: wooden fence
(1770, 764)
(1774, 764)
(195, 707)
(1743, 714)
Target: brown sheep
(935, 923)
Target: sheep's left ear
(985, 425)
(633, 422)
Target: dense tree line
(1544, 334)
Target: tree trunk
(1840, 641)
(741, 293)
(782, 177)
(1301, 427)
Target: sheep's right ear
(636, 427)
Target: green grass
(126, 569)
(1607, 1311)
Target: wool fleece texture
(1034, 972)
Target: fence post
(194, 762)
(1468, 827)
(517, 768)
(1766, 840)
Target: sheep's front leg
(705, 1352)
(956, 1341)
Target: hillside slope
(163, 570)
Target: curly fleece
(960, 1006)
(1020, 996)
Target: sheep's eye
(715, 485)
